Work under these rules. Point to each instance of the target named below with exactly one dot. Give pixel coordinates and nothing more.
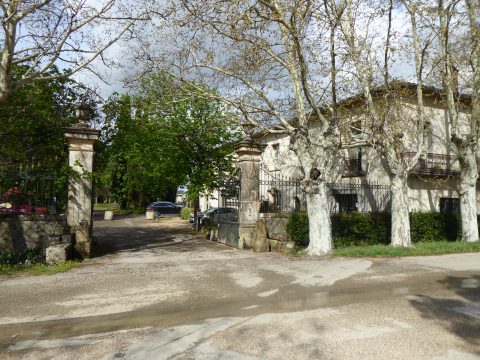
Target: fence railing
(32, 191)
(280, 194)
(370, 197)
(230, 193)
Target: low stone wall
(274, 227)
(19, 232)
(276, 224)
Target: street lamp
(82, 113)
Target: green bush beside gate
(362, 229)
(185, 213)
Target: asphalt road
(155, 290)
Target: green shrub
(131, 211)
(361, 229)
(32, 255)
(297, 228)
(354, 229)
(432, 226)
(185, 213)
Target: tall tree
(271, 60)
(390, 129)
(33, 121)
(70, 34)
(33, 152)
(166, 136)
(465, 133)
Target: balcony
(353, 168)
(435, 164)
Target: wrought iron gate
(228, 226)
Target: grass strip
(129, 212)
(38, 269)
(106, 207)
(419, 249)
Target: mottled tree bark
(320, 235)
(400, 213)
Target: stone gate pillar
(249, 156)
(80, 138)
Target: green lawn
(38, 269)
(105, 207)
(426, 248)
(116, 209)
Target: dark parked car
(164, 208)
(214, 215)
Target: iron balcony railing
(435, 164)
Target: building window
(353, 165)
(346, 202)
(449, 205)
(428, 135)
(298, 204)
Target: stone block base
(260, 243)
(83, 249)
(58, 254)
(247, 236)
(281, 246)
(213, 234)
(108, 215)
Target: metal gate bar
(228, 233)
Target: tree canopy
(165, 136)
(32, 123)
(33, 151)
(42, 34)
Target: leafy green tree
(166, 136)
(32, 123)
(33, 151)
(132, 167)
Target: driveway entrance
(159, 291)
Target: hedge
(357, 229)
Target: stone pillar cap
(246, 143)
(82, 132)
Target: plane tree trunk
(320, 235)
(400, 213)
(468, 195)
(317, 163)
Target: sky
(112, 77)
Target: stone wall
(19, 232)
(276, 224)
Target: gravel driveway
(156, 290)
